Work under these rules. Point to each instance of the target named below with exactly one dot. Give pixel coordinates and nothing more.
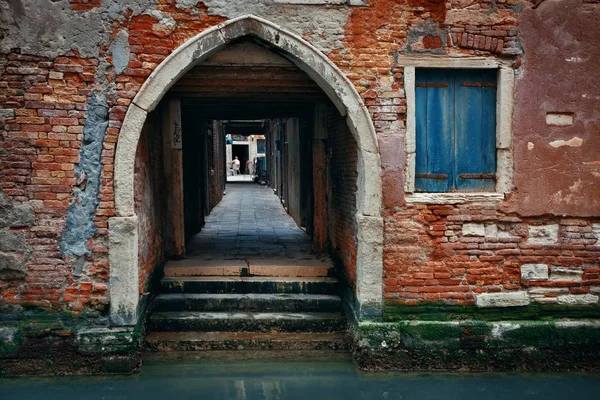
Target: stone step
(294, 302)
(243, 341)
(250, 284)
(283, 267)
(249, 358)
(179, 321)
(289, 267)
(199, 267)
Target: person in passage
(249, 167)
(236, 166)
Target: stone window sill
(452, 198)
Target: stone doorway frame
(123, 228)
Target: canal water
(291, 380)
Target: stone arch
(123, 227)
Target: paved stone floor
(250, 222)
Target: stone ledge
(452, 198)
(478, 345)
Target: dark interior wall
(342, 174)
(216, 167)
(194, 171)
(292, 169)
(150, 197)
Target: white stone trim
(504, 113)
(326, 74)
(452, 198)
(124, 271)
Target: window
(458, 128)
(455, 130)
(260, 145)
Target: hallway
(249, 233)
(249, 222)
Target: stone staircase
(268, 304)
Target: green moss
(549, 335)
(10, 341)
(394, 311)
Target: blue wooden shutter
(434, 131)
(455, 130)
(475, 130)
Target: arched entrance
(123, 248)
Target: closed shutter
(455, 130)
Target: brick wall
(150, 197)
(44, 99)
(341, 179)
(451, 254)
(41, 137)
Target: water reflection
(290, 380)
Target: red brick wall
(429, 257)
(341, 179)
(150, 197)
(39, 147)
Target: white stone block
(596, 232)
(124, 275)
(543, 234)
(473, 230)
(565, 274)
(505, 299)
(534, 272)
(491, 230)
(578, 299)
(560, 119)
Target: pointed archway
(123, 229)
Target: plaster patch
(574, 142)
(119, 49)
(530, 146)
(55, 29)
(324, 29)
(79, 225)
(574, 59)
(543, 234)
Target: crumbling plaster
(334, 84)
(560, 40)
(55, 29)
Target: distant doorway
(240, 151)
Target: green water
(313, 380)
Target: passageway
(257, 253)
(249, 222)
